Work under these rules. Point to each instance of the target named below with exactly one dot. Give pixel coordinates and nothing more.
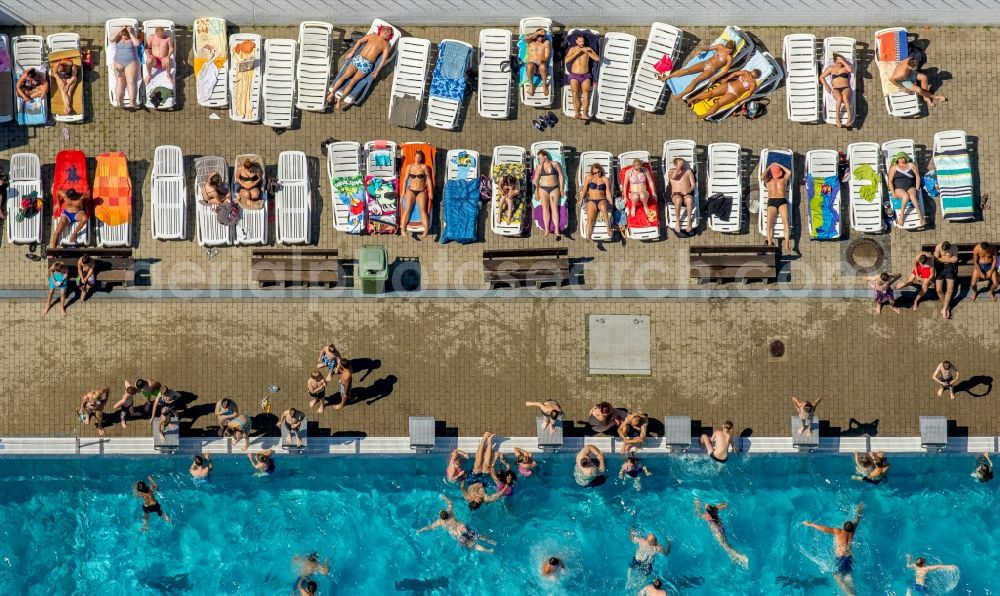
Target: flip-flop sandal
(984, 202)
(32, 257)
(539, 124)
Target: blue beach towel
(522, 60)
(449, 79)
(460, 211)
(824, 212)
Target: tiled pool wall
(326, 446)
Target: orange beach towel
(112, 189)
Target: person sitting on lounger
(712, 68)
(595, 195)
(984, 268)
(215, 192)
(839, 87)
(922, 275)
(548, 183)
(807, 414)
(32, 84)
(362, 64)
(250, 180)
(682, 185)
(159, 53)
(125, 66)
(415, 183)
(539, 53)
(907, 77)
(903, 180)
(776, 179)
(67, 80)
(729, 89)
(73, 214)
(603, 417)
(578, 62)
(509, 191)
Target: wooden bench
(112, 266)
(512, 268)
(964, 256)
(734, 262)
(295, 267)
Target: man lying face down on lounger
(362, 64)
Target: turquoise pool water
(71, 526)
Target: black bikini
(550, 172)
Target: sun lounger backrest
(647, 90)
(344, 159)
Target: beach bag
(485, 188)
(664, 65)
(228, 214)
(754, 109)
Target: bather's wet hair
(728, 425)
(849, 526)
(443, 514)
(657, 583)
(473, 505)
(141, 487)
(199, 461)
(920, 562)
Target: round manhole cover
(777, 348)
(865, 254)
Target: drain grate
(777, 349)
(866, 256)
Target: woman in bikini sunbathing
(637, 189)
(415, 184)
(712, 68)
(839, 87)
(67, 80)
(548, 182)
(595, 193)
(730, 89)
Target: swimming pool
(72, 526)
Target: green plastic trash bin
(374, 264)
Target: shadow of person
(380, 389)
(975, 386)
(856, 428)
(364, 364)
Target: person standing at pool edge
(920, 570)
(149, 502)
(842, 540)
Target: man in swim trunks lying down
(842, 540)
(376, 45)
(578, 61)
(539, 53)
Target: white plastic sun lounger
(343, 159)
(509, 154)
(161, 79)
(409, 81)
(897, 102)
(802, 79)
(58, 42)
(866, 215)
(824, 220)
(211, 62)
(244, 77)
(615, 79)
(910, 220)
(647, 90)
(25, 180)
(210, 231)
(538, 99)
(28, 52)
(636, 232)
(293, 201)
(567, 90)
(111, 27)
(494, 73)
(954, 174)
(781, 227)
(252, 226)
(843, 46)
(686, 150)
(447, 92)
(725, 177)
(602, 233)
(312, 72)
(279, 83)
(169, 194)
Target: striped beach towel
(954, 173)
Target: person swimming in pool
(589, 468)
(465, 535)
(525, 461)
(455, 472)
(306, 586)
(262, 462)
(552, 567)
(718, 445)
(710, 513)
(872, 467)
(653, 589)
(716, 65)
(842, 540)
(309, 565)
(920, 570)
(474, 485)
(201, 467)
(579, 59)
(362, 64)
(634, 469)
(503, 480)
(149, 502)
(647, 547)
(984, 468)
